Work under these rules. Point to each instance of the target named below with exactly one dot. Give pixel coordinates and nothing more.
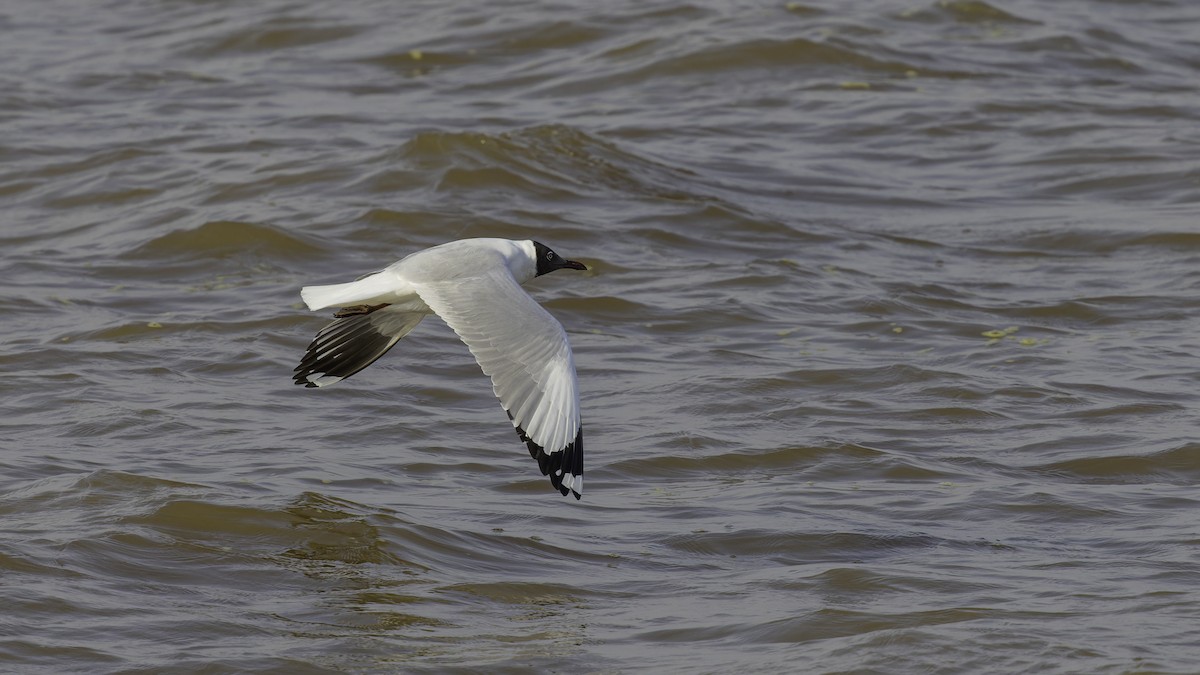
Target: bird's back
(467, 258)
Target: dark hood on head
(548, 260)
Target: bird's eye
(549, 255)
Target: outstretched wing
(525, 351)
(357, 337)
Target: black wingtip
(569, 460)
(347, 345)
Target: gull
(474, 285)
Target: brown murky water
(887, 353)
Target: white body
(454, 260)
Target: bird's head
(548, 260)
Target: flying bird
(474, 285)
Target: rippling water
(887, 354)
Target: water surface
(887, 350)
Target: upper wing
(352, 342)
(525, 352)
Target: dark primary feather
(353, 341)
(569, 460)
